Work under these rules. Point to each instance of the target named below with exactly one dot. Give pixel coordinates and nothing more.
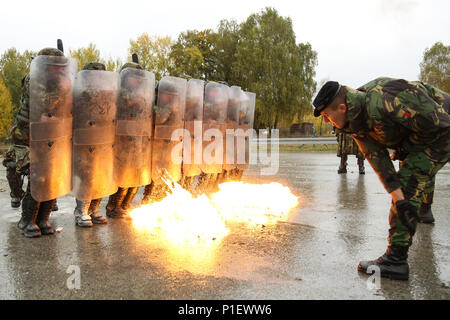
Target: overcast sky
(356, 40)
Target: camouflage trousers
(20, 154)
(417, 178)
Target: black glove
(407, 214)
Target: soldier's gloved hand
(407, 214)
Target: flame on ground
(186, 221)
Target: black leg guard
(126, 203)
(15, 184)
(43, 217)
(114, 206)
(343, 165)
(425, 214)
(96, 216)
(147, 192)
(361, 166)
(30, 209)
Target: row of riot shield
(94, 131)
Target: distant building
(304, 129)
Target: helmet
(131, 65)
(51, 52)
(94, 66)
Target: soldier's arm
(379, 159)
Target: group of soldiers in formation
(97, 133)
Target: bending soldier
(393, 113)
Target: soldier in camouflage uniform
(120, 202)
(346, 146)
(34, 221)
(18, 137)
(86, 211)
(410, 117)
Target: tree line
(260, 55)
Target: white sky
(356, 40)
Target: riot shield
(243, 132)
(231, 124)
(51, 85)
(193, 116)
(95, 105)
(132, 162)
(169, 113)
(214, 115)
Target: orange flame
(182, 219)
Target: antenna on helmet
(134, 58)
(60, 45)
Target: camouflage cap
(51, 52)
(94, 66)
(326, 95)
(131, 65)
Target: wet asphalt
(340, 220)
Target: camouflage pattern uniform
(348, 146)
(17, 158)
(411, 118)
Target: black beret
(326, 94)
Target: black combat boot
(114, 206)
(96, 216)
(361, 166)
(27, 223)
(393, 264)
(81, 213)
(425, 214)
(42, 219)
(15, 184)
(343, 165)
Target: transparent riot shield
(214, 115)
(169, 119)
(94, 116)
(132, 162)
(51, 85)
(193, 117)
(231, 124)
(244, 130)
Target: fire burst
(182, 219)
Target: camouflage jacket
(19, 132)
(401, 115)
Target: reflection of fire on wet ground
(184, 220)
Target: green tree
(153, 53)
(113, 64)
(435, 66)
(14, 66)
(271, 64)
(6, 109)
(194, 55)
(225, 44)
(86, 55)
